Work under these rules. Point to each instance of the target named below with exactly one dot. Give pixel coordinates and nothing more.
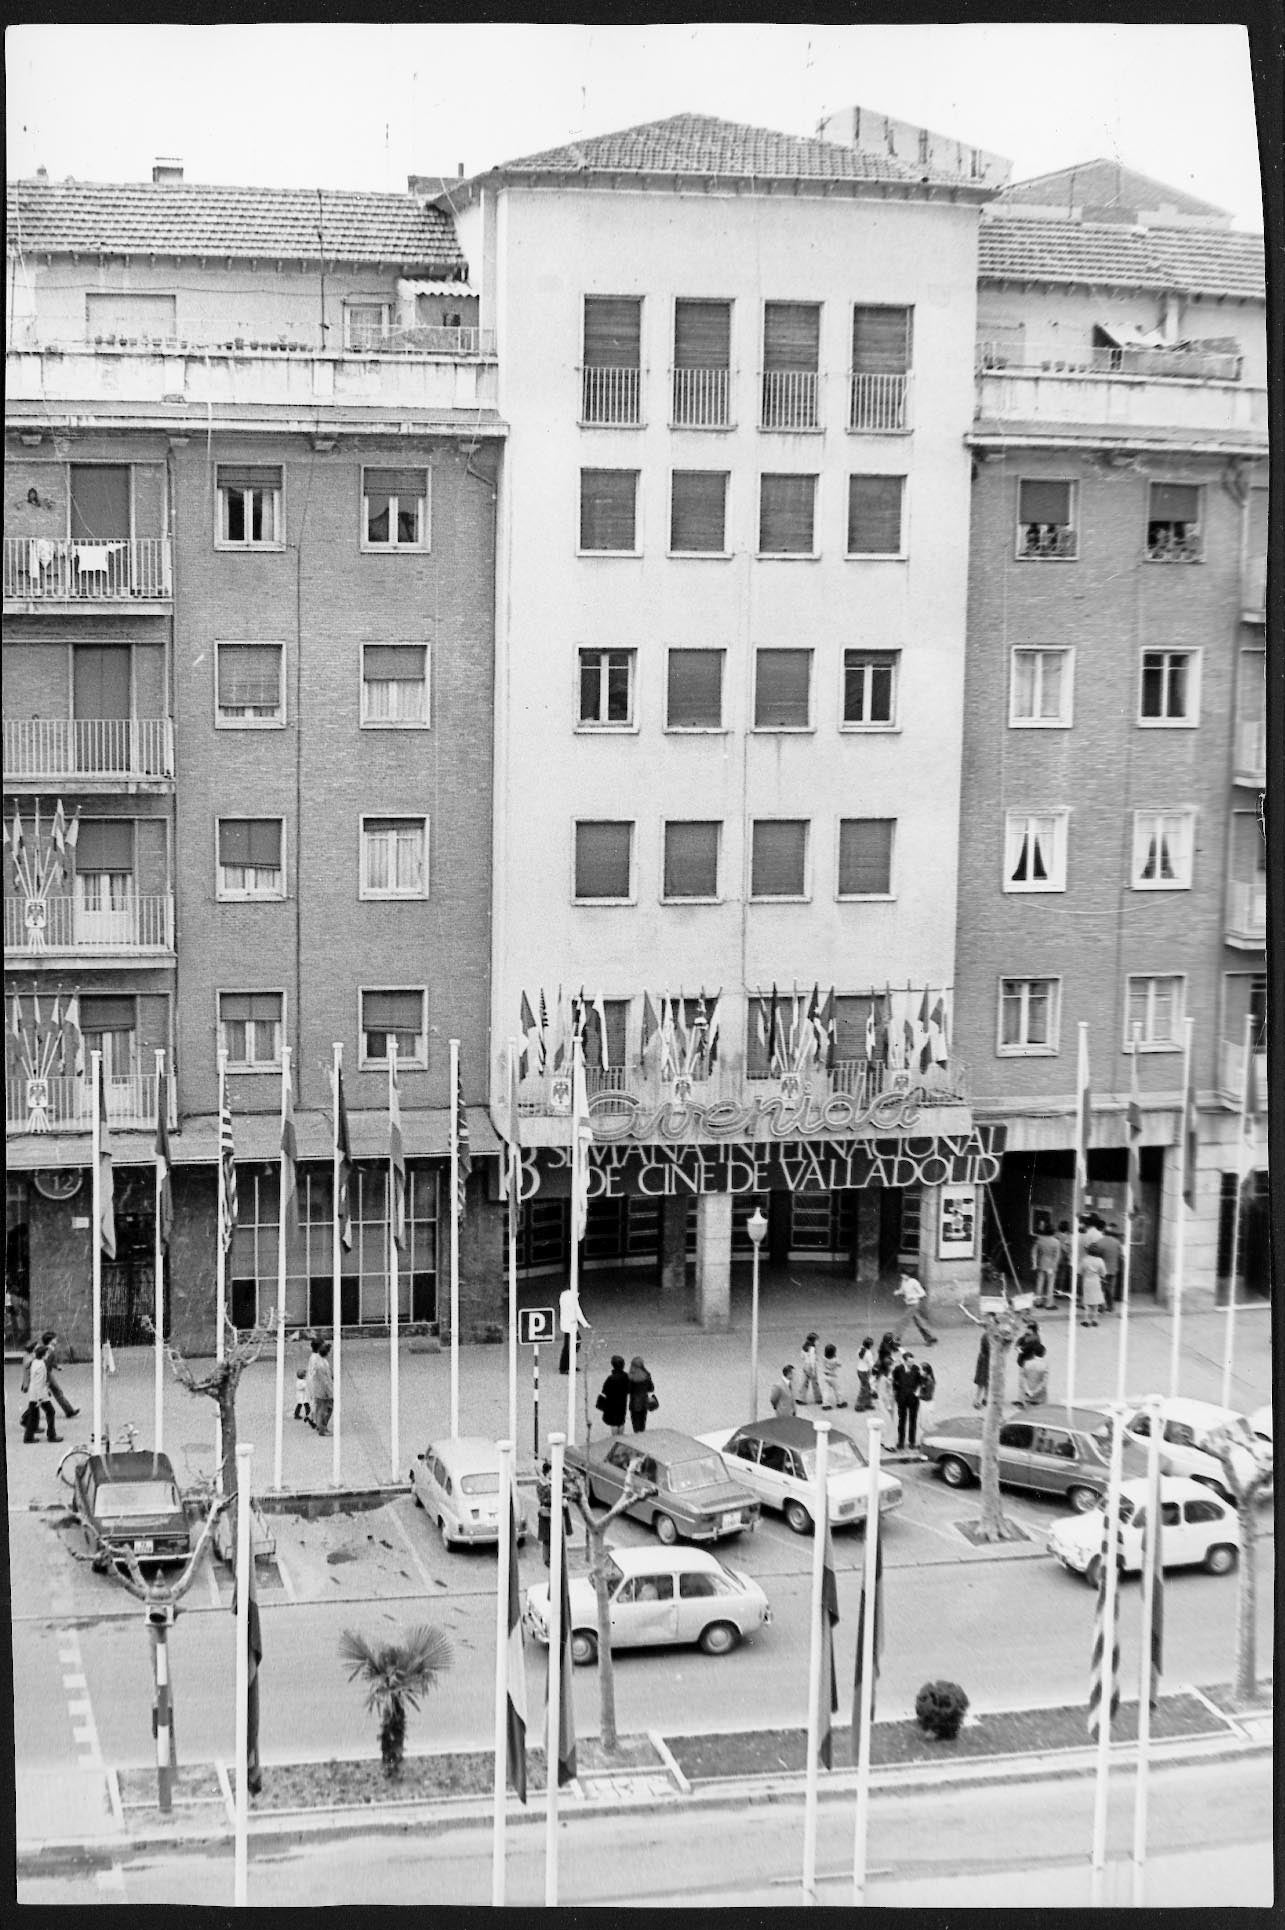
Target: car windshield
(119, 1498)
(480, 1483)
(1100, 1441)
(683, 1476)
(843, 1455)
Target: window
(250, 858)
(1016, 1434)
(1046, 519)
(108, 1024)
(607, 688)
(865, 857)
(782, 689)
(778, 865)
(694, 698)
(870, 688)
(691, 859)
(366, 324)
(249, 506)
(787, 514)
(394, 857)
(394, 509)
(608, 1053)
(875, 515)
(698, 512)
(394, 686)
(250, 1029)
(1040, 687)
(702, 360)
(604, 860)
(1156, 1007)
(1173, 523)
(791, 350)
(612, 359)
(1028, 1015)
(249, 685)
(1170, 687)
(398, 1015)
(1035, 851)
(1162, 850)
(608, 510)
(880, 365)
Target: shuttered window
(394, 683)
(394, 858)
(865, 857)
(398, 1015)
(782, 689)
(698, 511)
(880, 341)
(250, 1028)
(612, 331)
(395, 508)
(791, 335)
(875, 515)
(1045, 519)
(702, 335)
(778, 867)
(691, 859)
(250, 857)
(1045, 502)
(249, 683)
(695, 694)
(603, 859)
(249, 504)
(105, 844)
(608, 500)
(249, 476)
(107, 1012)
(1173, 523)
(850, 1014)
(787, 515)
(1174, 503)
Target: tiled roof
(182, 218)
(699, 144)
(1104, 184)
(1207, 261)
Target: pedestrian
(889, 1359)
(912, 1292)
(613, 1400)
(865, 1375)
(38, 1401)
(1046, 1253)
(569, 1318)
(323, 1400)
(643, 1398)
(831, 1367)
(302, 1392)
(982, 1372)
(1032, 1367)
(49, 1341)
(927, 1384)
(906, 1383)
(810, 1387)
(1107, 1243)
(310, 1381)
(1064, 1259)
(782, 1394)
(1092, 1274)
(544, 1509)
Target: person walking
(885, 1366)
(906, 1383)
(1108, 1244)
(613, 1398)
(302, 1392)
(1046, 1252)
(323, 1400)
(569, 1317)
(38, 1400)
(1092, 1274)
(831, 1368)
(782, 1394)
(49, 1341)
(310, 1381)
(865, 1375)
(643, 1399)
(912, 1292)
(1032, 1367)
(1064, 1243)
(810, 1387)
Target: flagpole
(158, 1278)
(96, 1242)
(1077, 1198)
(1130, 1206)
(336, 1263)
(455, 1237)
(868, 1620)
(394, 1285)
(221, 1266)
(241, 1810)
(278, 1441)
(820, 1518)
(1146, 1667)
(1180, 1243)
(552, 1728)
(514, 1209)
(579, 1181)
(500, 1784)
(1229, 1330)
(1109, 1635)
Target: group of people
(888, 1376)
(1032, 1367)
(314, 1387)
(628, 1393)
(42, 1387)
(1101, 1261)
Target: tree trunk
(1247, 1598)
(606, 1664)
(226, 1397)
(995, 1525)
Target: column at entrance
(867, 1254)
(673, 1247)
(714, 1261)
(951, 1280)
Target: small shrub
(940, 1708)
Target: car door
(1204, 1521)
(743, 1464)
(608, 1476)
(696, 1590)
(1015, 1438)
(1052, 1460)
(774, 1474)
(1176, 1449)
(644, 1612)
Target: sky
(364, 106)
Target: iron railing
(858, 1079)
(1251, 749)
(34, 927)
(53, 747)
(611, 397)
(65, 1103)
(49, 569)
(701, 398)
(879, 404)
(1247, 910)
(790, 399)
(1231, 1074)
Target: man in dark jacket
(907, 1380)
(613, 1401)
(1107, 1245)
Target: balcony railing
(701, 398)
(879, 404)
(1127, 402)
(64, 1104)
(1251, 750)
(789, 399)
(34, 928)
(857, 1079)
(430, 338)
(1046, 539)
(108, 747)
(1231, 1075)
(1246, 912)
(57, 569)
(224, 374)
(611, 397)
(1254, 592)
(1165, 364)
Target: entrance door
(105, 884)
(108, 1024)
(100, 703)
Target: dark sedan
(130, 1502)
(1051, 1450)
(695, 1499)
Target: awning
(257, 1136)
(1129, 335)
(407, 290)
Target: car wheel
(441, 1529)
(798, 1517)
(720, 1638)
(1083, 1499)
(414, 1493)
(954, 1472)
(1221, 1558)
(584, 1648)
(666, 1529)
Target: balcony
(701, 398)
(1251, 751)
(64, 1103)
(610, 398)
(60, 930)
(1253, 596)
(427, 339)
(46, 569)
(879, 404)
(790, 399)
(1136, 407)
(1231, 1075)
(1247, 913)
(94, 751)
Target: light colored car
(1186, 1445)
(659, 1596)
(776, 1460)
(1260, 1422)
(1049, 1449)
(1197, 1529)
(457, 1483)
(689, 1495)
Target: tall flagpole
(1077, 1199)
(500, 1783)
(514, 1210)
(221, 1270)
(1152, 1529)
(1180, 1243)
(579, 1183)
(861, 1832)
(278, 1441)
(336, 1263)
(816, 1688)
(96, 1243)
(552, 1733)
(1110, 1555)
(455, 1237)
(241, 1732)
(1229, 1329)
(394, 1285)
(1130, 1207)
(158, 1279)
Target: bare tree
(599, 1560)
(219, 1383)
(1246, 1477)
(1002, 1331)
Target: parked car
(457, 1483)
(130, 1501)
(1260, 1422)
(696, 1498)
(1186, 1445)
(1049, 1449)
(658, 1596)
(776, 1459)
(1197, 1529)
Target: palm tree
(396, 1673)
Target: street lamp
(756, 1227)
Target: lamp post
(756, 1227)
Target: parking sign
(535, 1324)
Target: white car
(457, 1483)
(776, 1460)
(1186, 1443)
(1197, 1530)
(658, 1596)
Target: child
(830, 1370)
(302, 1404)
(811, 1387)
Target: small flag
(566, 1712)
(1099, 1690)
(289, 1147)
(600, 1012)
(515, 1672)
(941, 1046)
(582, 1139)
(164, 1190)
(711, 1044)
(872, 1035)
(227, 1174)
(1155, 1556)
(396, 1154)
(1084, 1114)
(532, 1040)
(859, 1672)
(464, 1158)
(343, 1150)
(106, 1175)
(772, 1033)
(829, 1622)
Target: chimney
(166, 171)
(42, 174)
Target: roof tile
(1208, 261)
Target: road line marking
(74, 1680)
(430, 1585)
(286, 1583)
(659, 1744)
